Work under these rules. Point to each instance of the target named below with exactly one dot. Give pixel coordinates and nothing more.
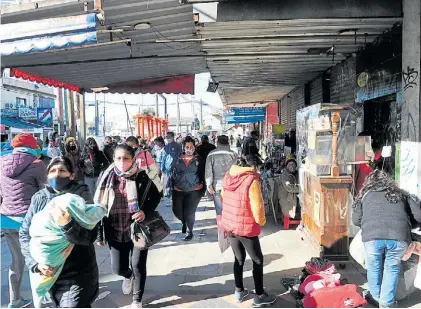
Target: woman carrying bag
(129, 197)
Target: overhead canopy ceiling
(122, 53)
(260, 61)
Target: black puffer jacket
(79, 277)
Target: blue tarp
(46, 34)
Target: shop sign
(9, 112)
(26, 130)
(45, 116)
(246, 111)
(245, 115)
(27, 113)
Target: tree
(148, 112)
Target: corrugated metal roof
(141, 60)
(276, 55)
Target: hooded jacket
(75, 157)
(22, 175)
(80, 269)
(243, 213)
(218, 164)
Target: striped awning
(46, 34)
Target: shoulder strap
(145, 194)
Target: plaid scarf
(104, 194)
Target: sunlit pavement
(196, 274)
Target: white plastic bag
(356, 249)
(223, 239)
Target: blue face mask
(59, 183)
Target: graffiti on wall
(410, 77)
(409, 166)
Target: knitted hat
(290, 158)
(24, 140)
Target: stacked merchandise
(320, 286)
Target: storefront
(14, 126)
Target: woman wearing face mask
(72, 152)
(93, 162)
(121, 189)
(77, 285)
(189, 186)
(22, 175)
(289, 189)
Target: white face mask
(189, 152)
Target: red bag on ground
(344, 296)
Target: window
(46, 102)
(20, 102)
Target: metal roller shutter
(283, 109)
(342, 82)
(316, 90)
(297, 102)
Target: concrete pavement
(196, 274)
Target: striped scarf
(104, 194)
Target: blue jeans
(217, 202)
(91, 183)
(383, 259)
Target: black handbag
(151, 230)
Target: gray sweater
(380, 219)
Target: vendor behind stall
(289, 189)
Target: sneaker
(136, 304)
(370, 299)
(300, 227)
(264, 299)
(127, 286)
(240, 296)
(22, 303)
(188, 237)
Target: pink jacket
(22, 175)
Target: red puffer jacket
(243, 210)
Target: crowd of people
(130, 178)
(117, 177)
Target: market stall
(326, 135)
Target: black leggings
(239, 245)
(124, 254)
(185, 205)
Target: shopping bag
(223, 239)
(357, 251)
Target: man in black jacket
(109, 148)
(250, 146)
(205, 147)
